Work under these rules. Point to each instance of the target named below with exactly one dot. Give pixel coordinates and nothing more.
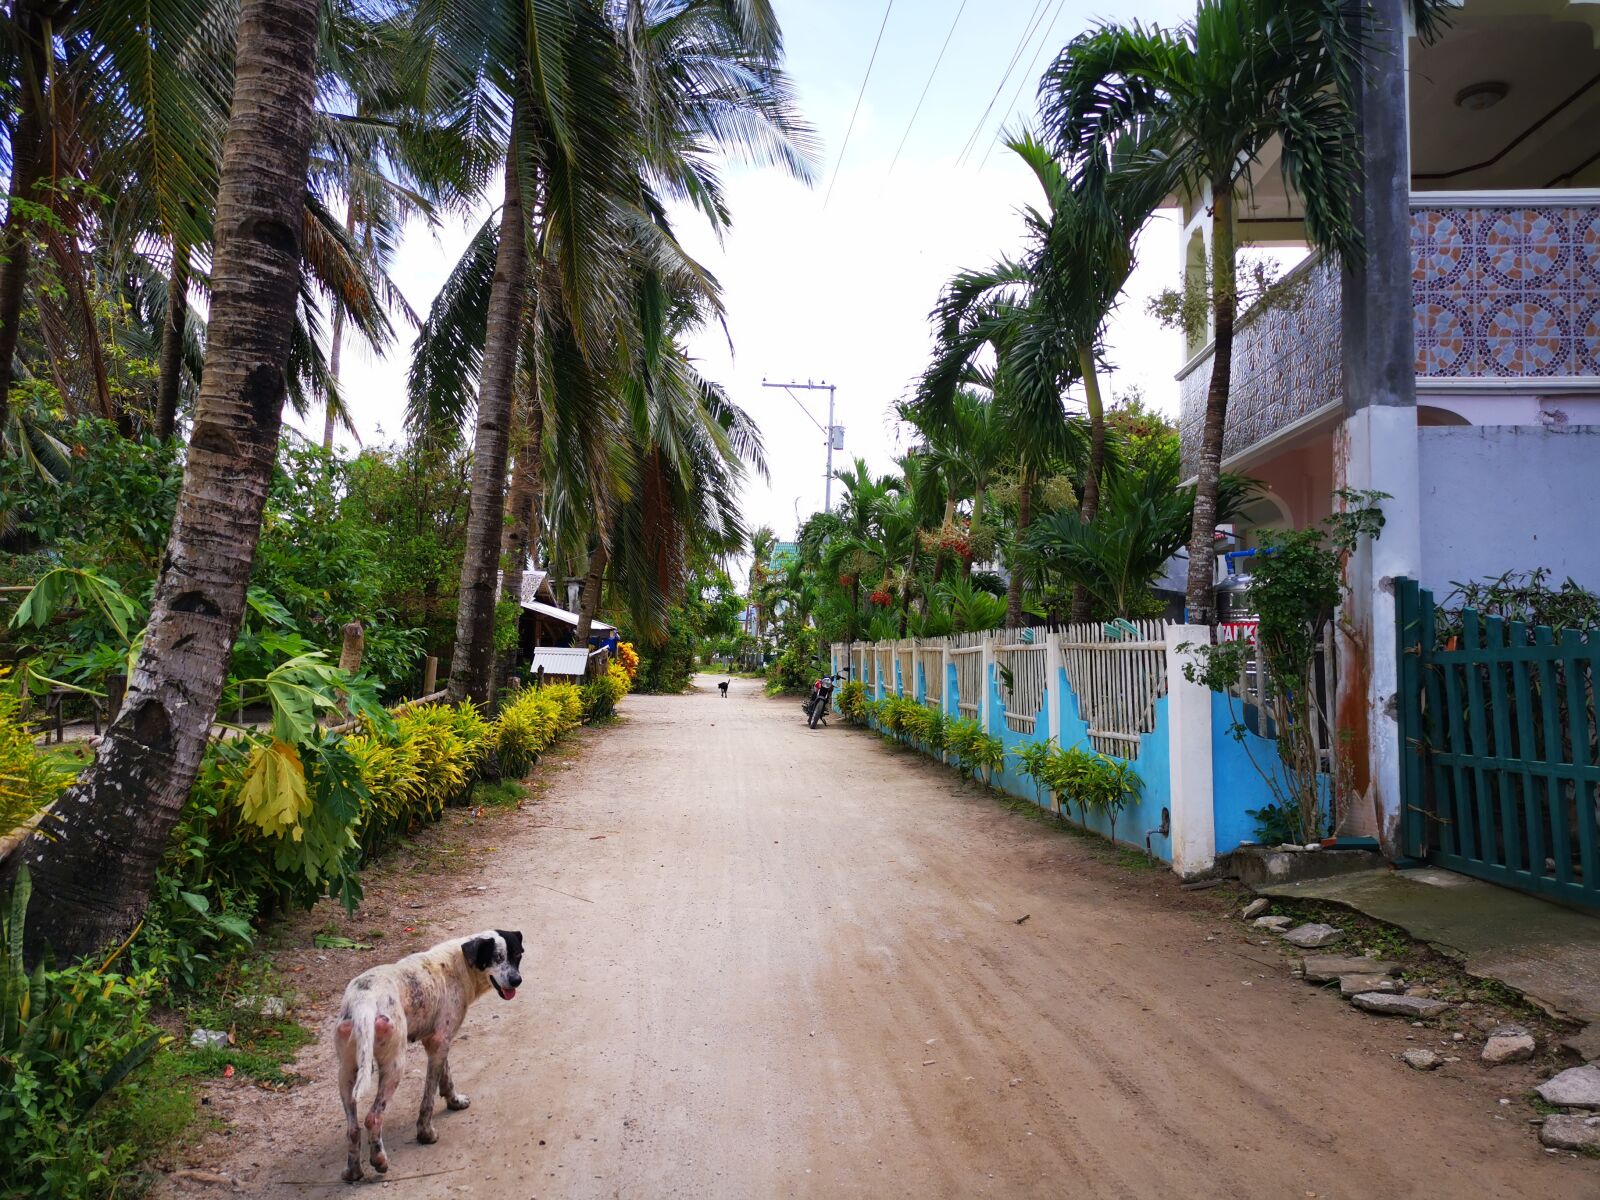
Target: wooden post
(430, 674)
(355, 642)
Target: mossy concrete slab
(1548, 953)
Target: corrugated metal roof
(561, 614)
(561, 660)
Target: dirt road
(796, 970)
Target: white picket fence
(1117, 675)
(1117, 681)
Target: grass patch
(265, 1045)
(156, 1112)
(502, 793)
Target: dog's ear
(513, 939)
(479, 953)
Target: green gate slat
(1455, 744)
(1504, 751)
(1550, 701)
(1482, 810)
(1580, 665)
(1527, 749)
(1434, 737)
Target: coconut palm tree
(1204, 101)
(608, 107)
(99, 860)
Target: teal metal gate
(1501, 759)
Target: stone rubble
(1276, 924)
(1388, 1004)
(1354, 985)
(1576, 1087)
(1313, 936)
(1256, 907)
(1325, 968)
(1571, 1131)
(1422, 1060)
(1508, 1044)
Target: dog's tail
(364, 1019)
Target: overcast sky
(841, 292)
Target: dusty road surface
(796, 970)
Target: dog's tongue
(507, 993)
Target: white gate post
(1194, 825)
(1052, 696)
(989, 642)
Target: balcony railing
(1504, 288)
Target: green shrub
(975, 751)
(68, 1038)
(28, 779)
(1033, 759)
(599, 701)
(852, 702)
(1066, 772)
(798, 664)
(924, 725)
(527, 727)
(570, 698)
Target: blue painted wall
(1237, 785)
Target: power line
(1029, 29)
(888, 8)
(1023, 82)
(927, 85)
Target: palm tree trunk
(172, 331)
(978, 497)
(26, 170)
(521, 504)
(1089, 502)
(1024, 519)
(330, 416)
(944, 555)
(1201, 591)
(97, 865)
(593, 583)
(472, 665)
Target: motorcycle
(820, 700)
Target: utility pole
(833, 435)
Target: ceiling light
(1480, 96)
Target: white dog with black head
(422, 998)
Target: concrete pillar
(1052, 691)
(1194, 822)
(1376, 445)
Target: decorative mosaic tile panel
(1285, 365)
(1506, 291)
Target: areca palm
(1205, 101)
(1144, 521)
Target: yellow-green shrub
(392, 773)
(449, 744)
(527, 727)
(570, 697)
(28, 780)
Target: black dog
(723, 687)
